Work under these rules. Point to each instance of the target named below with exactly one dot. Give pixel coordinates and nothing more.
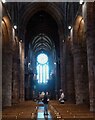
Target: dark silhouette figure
(46, 101)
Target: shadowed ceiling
(42, 22)
(42, 32)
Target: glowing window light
(42, 68)
(40, 74)
(42, 58)
(44, 79)
(47, 71)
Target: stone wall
(0, 61)
(70, 74)
(21, 55)
(6, 62)
(15, 72)
(80, 61)
(12, 63)
(90, 38)
(82, 43)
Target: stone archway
(56, 14)
(47, 7)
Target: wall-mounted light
(81, 2)
(63, 41)
(3, 1)
(21, 41)
(2, 21)
(28, 64)
(15, 27)
(54, 63)
(69, 27)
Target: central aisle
(40, 113)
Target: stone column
(70, 75)
(6, 63)
(26, 80)
(80, 74)
(79, 86)
(90, 36)
(7, 78)
(21, 53)
(6, 72)
(0, 61)
(62, 60)
(16, 72)
(27, 87)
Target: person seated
(61, 99)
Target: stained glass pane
(42, 68)
(42, 58)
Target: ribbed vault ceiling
(42, 42)
(42, 32)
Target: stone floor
(30, 110)
(40, 113)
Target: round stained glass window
(42, 58)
